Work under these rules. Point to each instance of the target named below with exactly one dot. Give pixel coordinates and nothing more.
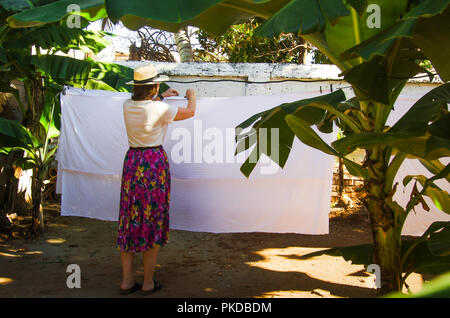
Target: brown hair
(144, 92)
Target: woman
(145, 187)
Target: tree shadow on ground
(193, 264)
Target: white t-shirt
(146, 121)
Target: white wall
(328, 76)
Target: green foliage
(18, 5)
(319, 58)
(43, 75)
(420, 132)
(14, 134)
(274, 118)
(62, 68)
(422, 25)
(54, 11)
(304, 16)
(240, 46)
(16, 137)
(58, 37)
(170, 15)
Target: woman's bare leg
(149, 257)
(127, 269)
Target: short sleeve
(169, 113)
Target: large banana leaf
(51, 112)
(425, 25)
(422, 147)
(404, 26)
(215, 16)
(63, 68)
(412, 133)
(356, 25)
(304, 16)
(60, 38)
(55, 11)
(275, 118)
(346, 37)
(17, 5)
(368, 140)
(109, 76)
(332, 26)
(309, 137)
(294, 119)
(426, 109)
(13, 134)
(380, 79)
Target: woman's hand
(190, 93)
(170, 92)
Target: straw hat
(147, 74)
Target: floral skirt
(144, 200)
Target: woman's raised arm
(189, 111)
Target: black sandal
(157, 286)
(130, 290)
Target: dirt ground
(193, 264)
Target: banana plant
(43, 75)
(38, 157)
(377, 63)
(378, 45)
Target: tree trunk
(304, 56)
(184, 45)
(38, 209)
(386, 239)
(37, 104)
(386, 246)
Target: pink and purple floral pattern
(144, 200)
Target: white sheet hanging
(207, 196)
